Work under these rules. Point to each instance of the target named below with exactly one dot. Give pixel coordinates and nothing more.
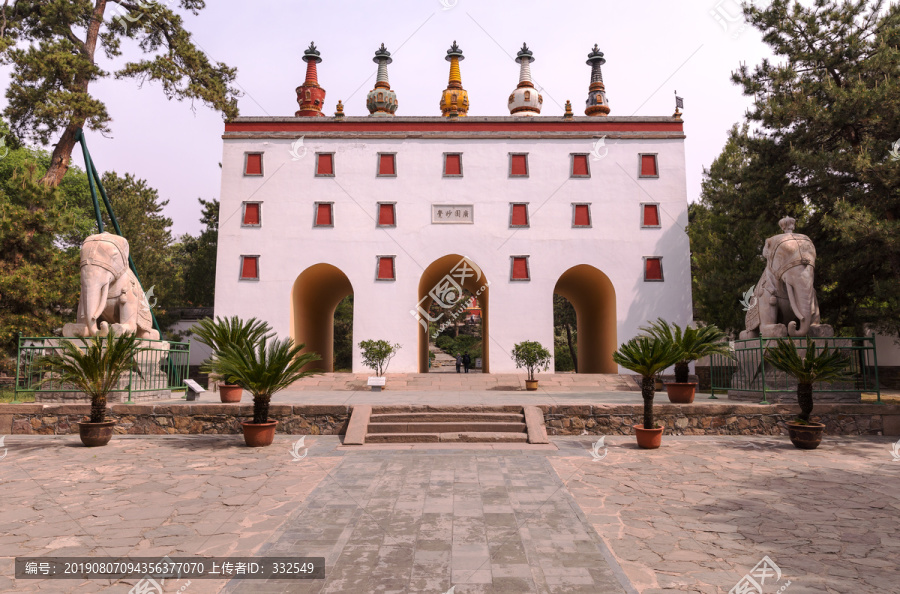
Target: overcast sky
(652, 48)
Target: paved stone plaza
(695, 515)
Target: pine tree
(196, 259)
(39, 284)
(825, 118)
(139, 212)
(743, 195)
(52, 45)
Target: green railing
(749, 372)
(162, 366)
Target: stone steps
(451, 437)
(448, 427)
(447, 416)
(456, 424)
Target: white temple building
(404, 211)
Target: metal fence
(749, 372)
(163, 365)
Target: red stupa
(310, 95)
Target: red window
(518, 165)
(249, 267)
(453, 164)
(251, 213)
(385, 268)
(386, 215)
(648, 166)
(580, 166)
(653, 269)
(325, 164)
(386, 164)
(519, 215)
(254, 164)
(520, 268)
(651, 215)
(582, 215)
(324, 215)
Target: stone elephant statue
(111, 296)
(785, 302)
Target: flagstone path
(697, 515)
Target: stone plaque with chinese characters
(452, 213)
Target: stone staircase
(445, 424)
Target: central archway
(593, 296)
(441, 282)
(315, 295)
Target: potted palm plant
(94, 367)
(694, 344)
(647, 356)
(263, 369)
(815, 366)
(217, 334)
(532, 356)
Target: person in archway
(459, 362)
(467, 361)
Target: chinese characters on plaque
(452, 213)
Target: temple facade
(413, 216)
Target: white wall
(288, 243)
(199, 351)
(887, 350)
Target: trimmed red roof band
(460, 125)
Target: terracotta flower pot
(681, 393)
(648, 439)
(806, 436)
(230, 393)
(531, 385)
(257, 435)
(96, 434)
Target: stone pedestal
(750, 377)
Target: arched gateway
(443, 283)
(315, 295)
(593, 296)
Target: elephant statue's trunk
(94, 305)
(805, 317)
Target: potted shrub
(647, 356)
(94, 367)
(263, 369)
(531, 355)
(218, 333)
(694, 344)
(816, 366)
(377, 355)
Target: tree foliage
(139, 212)
(826, 114)
(38, 276)
(531, 355)
(565, 321)
(343, 334)
(377, 354)
(52, 46)
(744, 194)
